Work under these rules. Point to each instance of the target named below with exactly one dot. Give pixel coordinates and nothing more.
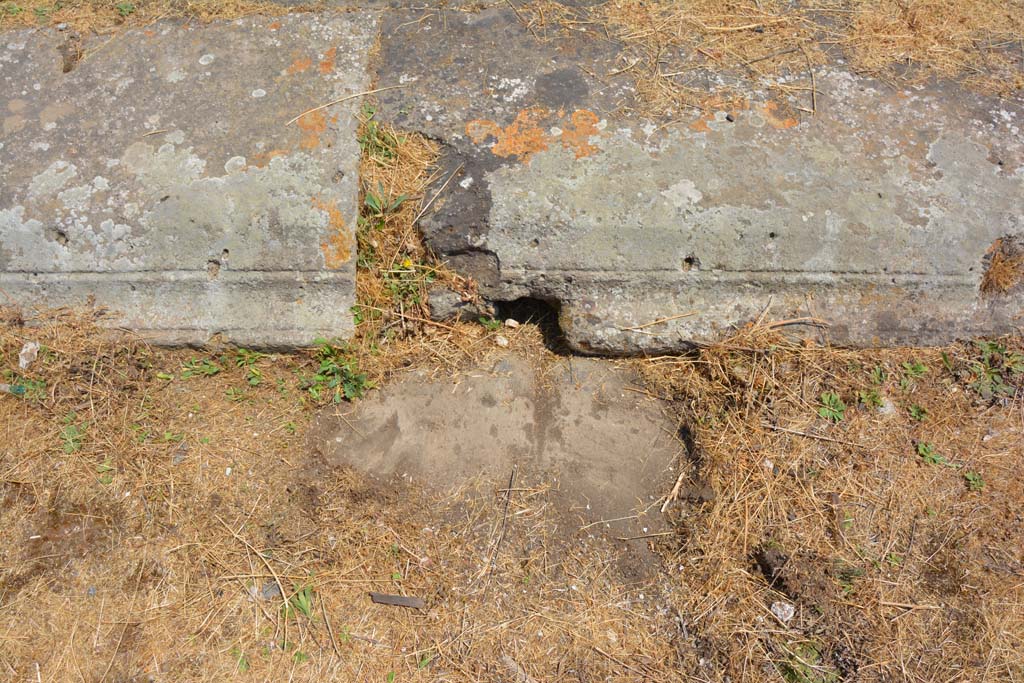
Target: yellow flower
(407, 263)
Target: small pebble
(784, 611)
(511, 323)
(501, 341)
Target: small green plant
(125, 9)
(870, 398)
(918, 413)
(11, 9)
(912, 370)
(106, 472)
(337, 374)
(424, 661)
(199, 368)
(915, 369)
(995, 369)
(847, 576)
(894, 560)
(832, 407)
(931, 456)
(974, 481)
(806, 665)
(235, 394)
(380, 204)
(300, 657)
(377, 142)
(390, 678)
(165, 376)
(878, 375)
(490, 323)
(42, 13)
(947, 362)
(396, 576)
(301, 602)
(241, 662)
(72, 433)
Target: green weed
(931, 456)
(199, 368)
(490, 324)
(918, 413)
(337, 375)
(241, 662)
(995, 369)
(832, 407)
(72, 433)
(380, 204)
(805, 665)
(125, 9)
(301, 602)
(376, 142)
(106, 472)
(974, 481)
(870, 398)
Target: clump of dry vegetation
(706, 54)
(107, 15)
(872, 497)
(163, 517)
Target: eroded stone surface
(160, 176)
(605, 451)
(876, 214)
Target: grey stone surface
(604, 452)
(446, 304)
(876, 214)
(160, 177)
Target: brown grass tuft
(1005, 267)
(709, 54)
(882, 554)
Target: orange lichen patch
(701, 124)
(312, 124)
(337, 247)
(299, 65)
(327, 63)
(577, 135)
(1005, 266)
(774, 118)
(481, 129)
(522, 138)
(274, 26)
(263, 158)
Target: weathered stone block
(161, 176)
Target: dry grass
(143, 509)
(898, 569)
(709, 54)
(143, 519)
(1005, 268)
(109, 15)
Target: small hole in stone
(542, 313)
(213, 268)
(691, 262)
(536, 242)
(771, 235)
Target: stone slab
(160, 177)
(572, 426)
(877, 213)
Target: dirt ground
(157, 505)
